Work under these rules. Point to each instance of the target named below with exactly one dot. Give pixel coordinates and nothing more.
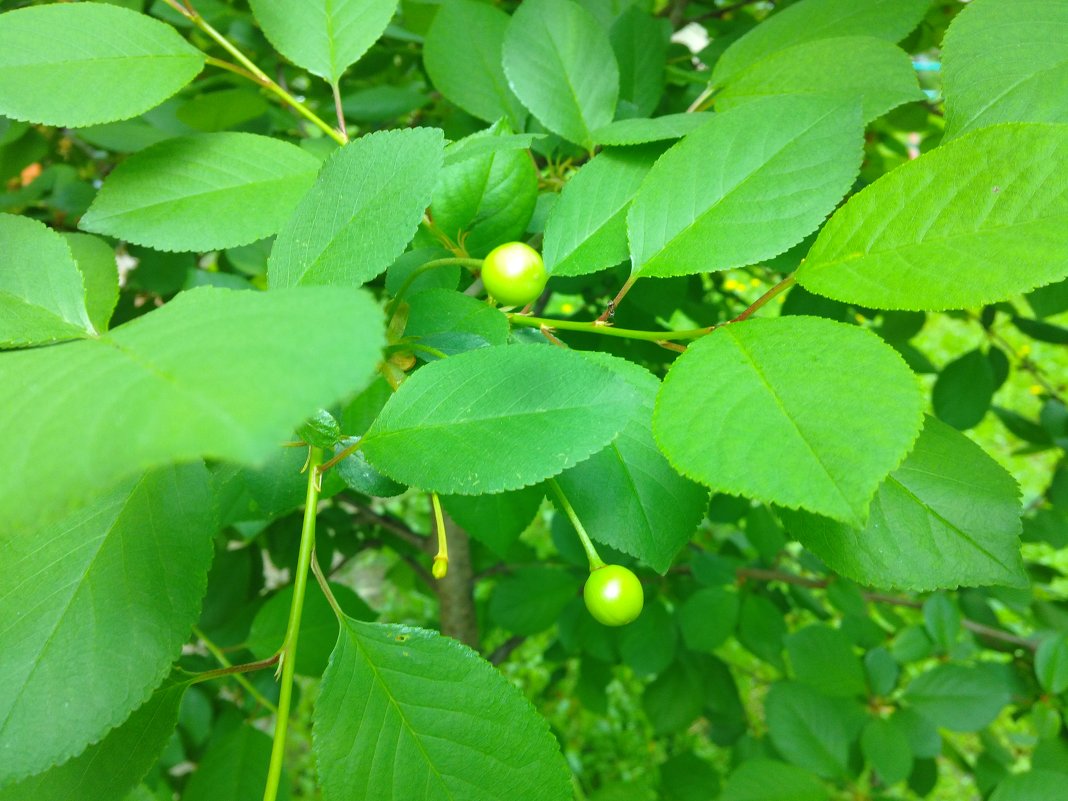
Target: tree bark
(456, 590)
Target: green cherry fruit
(514, 274)
(613, 595)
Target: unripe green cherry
(613, 595)
(514, 274)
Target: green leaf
(100, 274)
(639, 131)
(761, 629)
(812, 730)
(233, 766)
(474, 146)
(110, 768)
(977, 220)
(648, 644)
(362, 211)
(438, 312)
(462, 56)
(222, 110)
(708, 617)
(1005, 61)
(687, 777)
(560, 64)
(495, 520)
(530, 599)
(674, 699)
(215, 373)
(958, 697)
(318, 626)
(811, 20)
(1051, 664)
(358, 474)
(42, 296)
(949, 516)
(886, 748)
(963, 390)
(397, 696)
(202, 192)
(438, 429)
(640, 42)
(75, 64)
(486, 200)
(823, 658)
(874, 71)
(324, 37)
(144, 546)
(767, 780)
(628, 495)
(784, 163)
(587, 228)
(1035, 785)
(793, 442)
(942, 620)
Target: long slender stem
(228, 669)
(255, 73)
(614, 302)
(236, 671)
(779, 288)
(338, 110)
(288, 651)
(591, 552)
(593, 327)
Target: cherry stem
(591, 552)
(779, 288)
(287, 654)
(613, 304)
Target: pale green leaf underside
(203, 192)
(476, 422)
(214, 373)
(323, 36)
(977, 220)
(750, 184)
(628, 495)
(811, 20)
(462, 55)
(876, 72)
(776, 410)
(587, 228)
(42, 296)
(1006, 61)
(948, 516)
(560, 64)
(95, 609)
(407, 715)
(76, 64)
(100, 274)
(109, 769)
(657, 129)
(361, 213)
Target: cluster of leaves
(835, 587)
